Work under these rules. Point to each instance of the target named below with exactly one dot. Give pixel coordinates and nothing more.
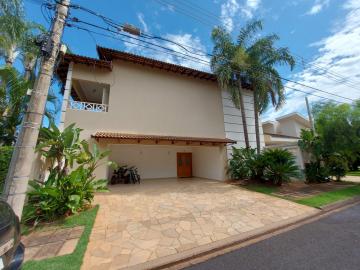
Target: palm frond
(248, 31)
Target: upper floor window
(89, 96)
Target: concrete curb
(205, 252)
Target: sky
(323, 35)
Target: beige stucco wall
(159, 161)
(290, 127)
(209, 162)
(233, 121)
(149, 101)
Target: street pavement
(331, 243)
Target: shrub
(241, 163)
(337, 166)
(5, 157)
(64, 192)
(279, 165)
(315, 172)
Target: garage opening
(157, 156)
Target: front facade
(161, 118)
(285, 133)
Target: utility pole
(309, 114)
(23, 156)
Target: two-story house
(165, 119)
(284, 132)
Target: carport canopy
(121, 138)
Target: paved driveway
(165, 217)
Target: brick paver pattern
(140, 223)
(51, 242)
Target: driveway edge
(205, 252)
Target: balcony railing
(87, 106)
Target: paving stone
(76, 232)
(48, 251)
(164, 217)
(68, 247)
(30, 252)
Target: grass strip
(330, 196)
(72, 261)
(355, 173)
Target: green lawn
(331, 196)
(72, 261)
(314, 201)
(355, 173)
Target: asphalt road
(330, 243)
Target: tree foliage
(252, 60)
(335, 147)
(71, 184)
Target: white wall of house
(209, 162)
(143, 100)
(160, 161)
(290, 127)
(233, 123)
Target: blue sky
(325, 32)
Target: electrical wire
(76, 20)
(114, 24)
(200, 9)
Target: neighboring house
(285, 132)
(165, 119)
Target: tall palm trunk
(257, 132)
(243, 116)
(27, 74)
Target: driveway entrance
(165, 217)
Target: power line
(127, 41)
(114, 24)
(76, 20)
(353, 86)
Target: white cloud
(141, 19)
(250, 7)
(228, 11)
(318, 6)
(338, 54)
(188, 41)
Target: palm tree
(227, 59)
(29, 50)
(262, 58)
(13, 100)
(252, 61)
(12, 31)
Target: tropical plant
(12, 31)
(61, 149)
(13, 100)
(12, 103)
(227, 59)
(5, 157)
(241, 163)
(316, 172)
(252, 61)
(279, 166)
(67, 190)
